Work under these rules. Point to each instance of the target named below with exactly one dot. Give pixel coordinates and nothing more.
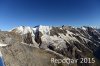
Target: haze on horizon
(78, 13)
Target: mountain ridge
(68, 41)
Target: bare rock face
(17, 53)
(28, 39)
(9, 37)
(30, 46)
(24, 55)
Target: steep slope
(16, 53)
(66, 40)
(24, 55)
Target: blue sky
(14, 13)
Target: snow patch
(23, 30)
(45, 29)
(83, 28)
(1, 45)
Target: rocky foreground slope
(35, 46)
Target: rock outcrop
(29, 46)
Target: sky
(14, 13)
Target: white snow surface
(83, 28)
(57, 41)
(0, 54)
(1, 44)
(26, 29)
(45, 29)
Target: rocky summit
(36, 46)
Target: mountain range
(35, 46)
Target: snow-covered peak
(20, 28)
(26, 29)
(44, 29)
(23, 30)
(84, 28)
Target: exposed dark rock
(28, 38)
(38, 37)
(56, 30)
(74, 43)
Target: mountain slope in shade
(70, 42)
